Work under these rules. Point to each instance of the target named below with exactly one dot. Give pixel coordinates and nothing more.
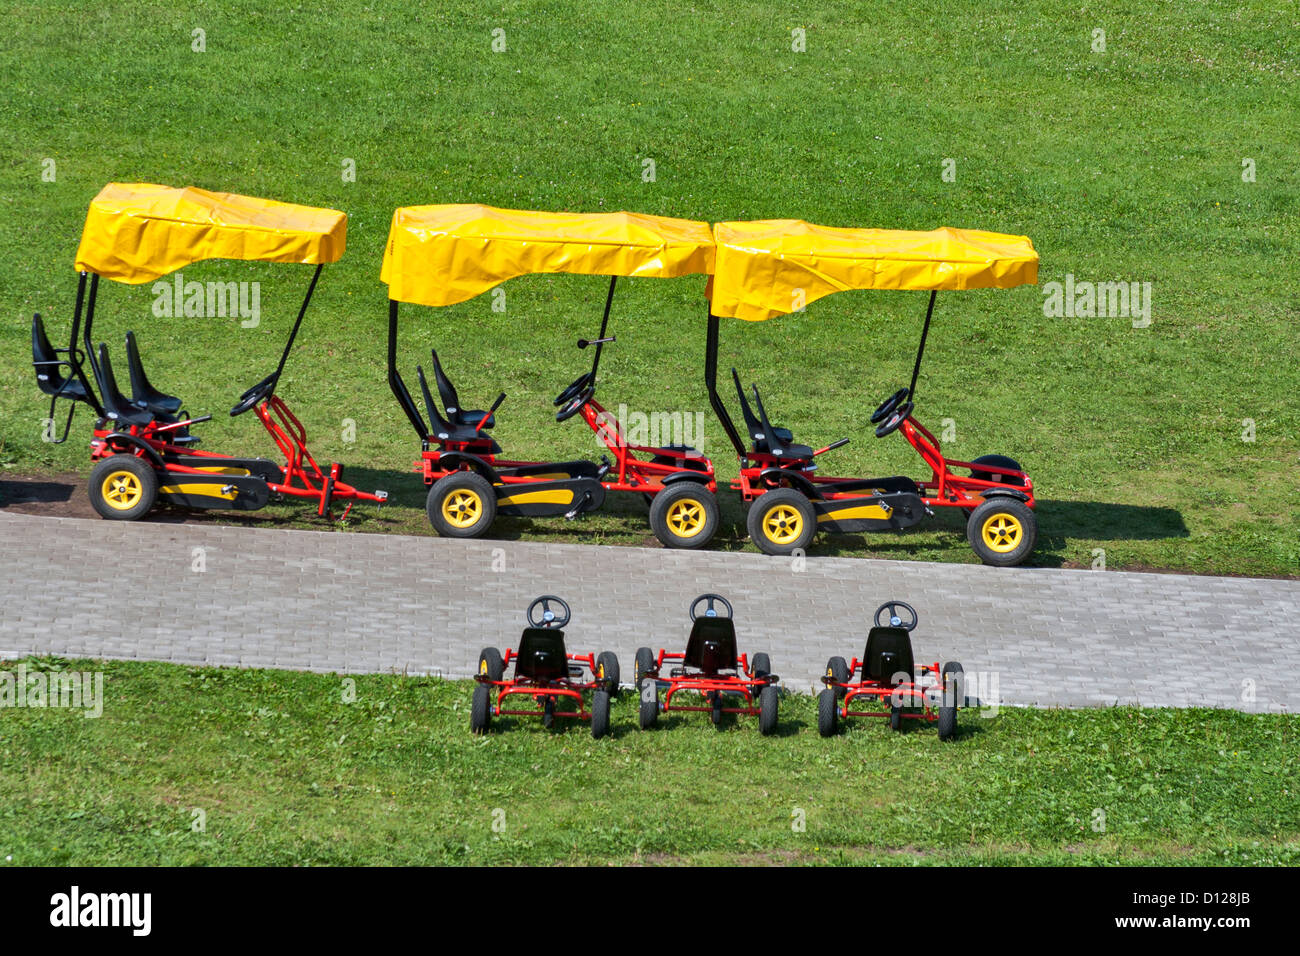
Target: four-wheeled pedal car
(887, 678)
(711, 669)
(544, 672)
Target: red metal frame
(905, 694)
(562, 689)
(942, 490)
(286, 430)
(630, 473)
(704, 684)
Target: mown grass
(1120, 165)
(285, 772)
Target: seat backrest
(752, 423)
(438, 425)
(771, 442)
(889, 652)
(450, 400)
(541, 654)
(49, 375)
(115, 404)
(142, 391)
(712, 645)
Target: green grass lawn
(1123, 165)
(285, 772)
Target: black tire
(715, 714)
(947, 722)
(644, 666)
(684, 515)
(480, 709)
(1000, 461)
(837, 669)
(599, 714)
(954, 697)
(781, 521)
(461, 505)
(828, 712)
(548, 712)
(1002, 531)
(649, 712)
(123, 487)
(607, 664)
(490, 664)
(768, 702)
(760, 666)
(953, 671)
(895, 717)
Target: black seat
(443, 430)
(143, 394)
(451, 401)
(541, 654)
(49, 377)
(116, 407)
(766, 437)
(888, 653)
(712, 645)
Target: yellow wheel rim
(782, 524)
(600, 672)
(1002, 532)
(462, 508)
(122, 490)
(482, 667)
(685, 518)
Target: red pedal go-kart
(546, 674)
(887, 678)
(711, 669)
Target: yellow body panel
(552, 496)
(860, 511)
(772, 267)
(206, 489)
(441, 255)
(139, 232)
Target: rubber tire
(490, 664)
(649, 711)
(480, 710)
(470, 481)
(837, 669)
(1018, 510)
(766, 502)
(768, 702)
(645, 664)
(954, 667)
(143, 472)
(828, 712)
(895, 717)
(1001, 461)
(609, 661)
(599, 714)
(761, 665)
(674, 493)
(952, 672)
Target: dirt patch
(59, 495)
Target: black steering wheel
(894, 619)
(572, 392)
(896, 412)
(710, 611)
(254, 395)
(547, 617)
(888, 405)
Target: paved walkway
(347, 602)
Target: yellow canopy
(771, 267)
(441, 255)
(137, 232)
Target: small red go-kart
(710, 668)
(545, 673)
(889, 678)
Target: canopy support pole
(75, 354)
(916, 369)
(395, 383)
(604, 324)
(90, 321)
(711, 380)
(293, 334)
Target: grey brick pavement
(331, 601)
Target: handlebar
(583, 343)
(490, 412)
(832, 446)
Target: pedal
(578, 508)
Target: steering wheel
(254, 395)
(894, 619)
(895, 419)
(547, 617)
(573, 390)
(710, 611)
(888, 405)
(575, 404)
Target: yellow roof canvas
(767, 268)
(137, 232)
(444, 254)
